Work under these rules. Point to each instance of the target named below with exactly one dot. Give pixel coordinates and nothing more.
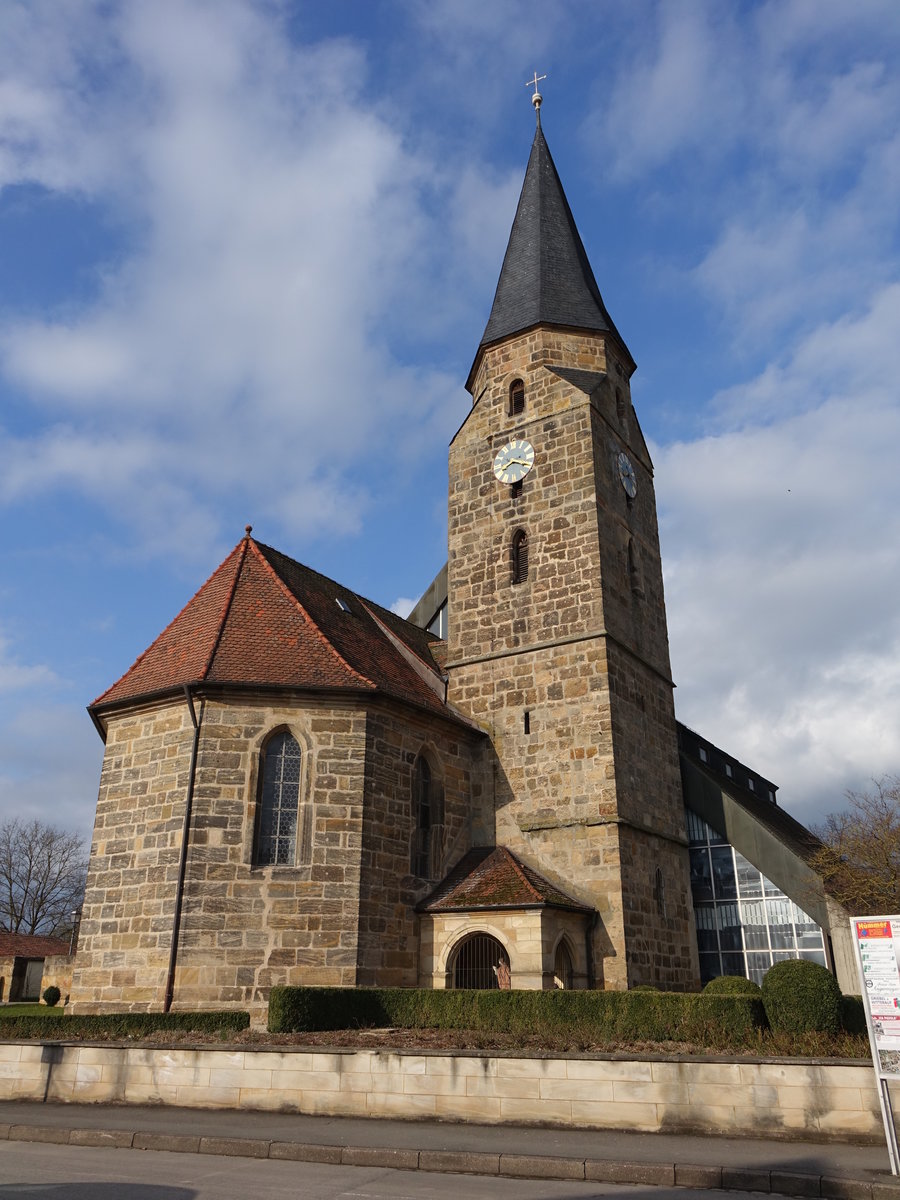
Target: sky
(247, 252)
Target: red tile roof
(30, 945)
(262, 619)
(492, 877)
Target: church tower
(557, 639)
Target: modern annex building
(301, 787)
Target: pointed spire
(546, 278)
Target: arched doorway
(480, 962)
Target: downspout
(589, 950)
(182, 865)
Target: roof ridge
(305, 613)
(140, 658)
(226, 607)
(390, 634)
(518, 868)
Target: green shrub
(853, 1014)
(587, 1016)
(732, 985)
(801, 997)
(109, 1026)
(51, 996)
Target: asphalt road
(37, 1171)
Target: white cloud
(16, 676)
(781, 540)
(403, 606)
(246, 333)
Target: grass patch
(29, 1010)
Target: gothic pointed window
(516, 397)
(279, 799)
(562, 967)
(428, 835)
(520, 556)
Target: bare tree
(42, 874)
(860, 856)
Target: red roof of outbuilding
(262, 619)
(492, 877)
(30, 945)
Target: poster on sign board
(877, 944)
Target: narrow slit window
(527, 722)
(516, 397)
(520, 556)
(515, 490)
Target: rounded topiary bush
(51, 995)
(801, 997)
(731, 985)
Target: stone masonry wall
(247, 927)
(388, 926)
(126, 923)
(816, 1101)
(569, 670)
(243, 927)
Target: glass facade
(744, 922)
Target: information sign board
(876, 941)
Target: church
(300, 787)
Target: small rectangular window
(704, 757)
(751, 785)
(527, 722)
(728, 770)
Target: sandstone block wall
(388, 925)
(530, 938)
(341, 914)
(810, 1101)
(569, 671)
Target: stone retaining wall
(763, 1098)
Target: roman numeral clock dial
(513, 461)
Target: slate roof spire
(546, 278)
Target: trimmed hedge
(801, 997)
(596, 1016)
(119, 1025)
(853, 1014)
(732, 985)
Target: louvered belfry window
(480, 962)
(519, 556)
(516, 398)
(279, 797)
(428, 805)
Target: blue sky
(247, 251)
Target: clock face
(514, 461)
(627, 474)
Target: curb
(463, 1162)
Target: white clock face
(514, 461)
(627, 474)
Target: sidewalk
(834, 1170)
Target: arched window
(480, 962)
(279, 798)
(519, 556)
(428, 806)
(562, 967)
(516, 397)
